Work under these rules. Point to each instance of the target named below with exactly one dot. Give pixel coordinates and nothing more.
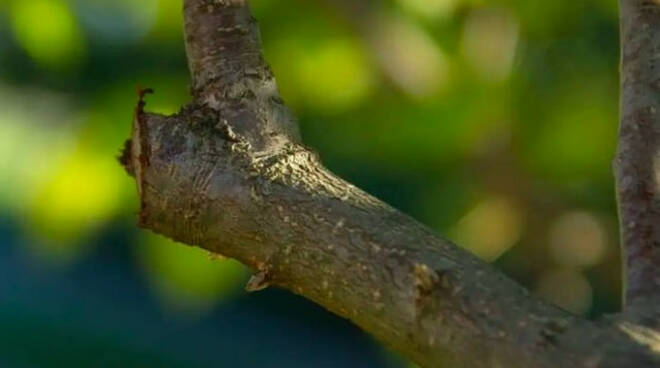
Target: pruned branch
(228, 174)
(637, 164)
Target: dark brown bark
(228, 174)
(637, 164)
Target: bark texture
(228, 173)
(637, 164)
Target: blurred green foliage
(494, 122)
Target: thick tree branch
(306, 230)
(637, 164)
(228, 174)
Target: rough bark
(228, 173)
(637, 164)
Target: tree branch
(229, 74)
(228, 174)
(637, 164)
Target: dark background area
(493, 122)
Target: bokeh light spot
(31, 142)
(81, 192)
(490, 228)
(566, 288)
(48, 31)
(409, 56)
(577, 239)
(329, 75)
(490, 39)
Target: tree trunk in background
(228, 173)
(637, 164)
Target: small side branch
(222, 43)
(637, 164)
(229, 74)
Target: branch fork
(229, 174)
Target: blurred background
(493, 122)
